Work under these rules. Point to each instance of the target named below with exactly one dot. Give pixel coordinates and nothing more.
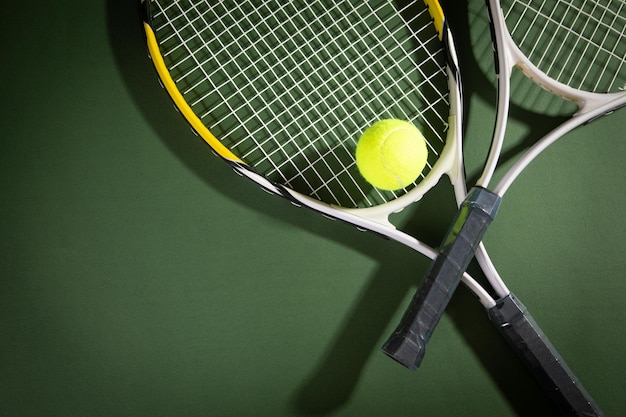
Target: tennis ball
(391, 154)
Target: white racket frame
(590, 105)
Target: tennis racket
(281, 91)
(575, 50)
(288, 87)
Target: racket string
(234, 111)
(269, 87)
(579, 44)
(297, 114)
(303, 83)
(282, 92)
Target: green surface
(139, 277)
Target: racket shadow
(337, 373)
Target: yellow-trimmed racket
(282, 90)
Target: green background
(139, 277)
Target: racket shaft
(541, 358)
(408, 342)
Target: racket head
(282, 91)
(576, 50)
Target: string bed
(577, 43)
(290, 86)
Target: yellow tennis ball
(391, 154)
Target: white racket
(575, 50)
(282, 91)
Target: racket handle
(517, 326)
(408, 342)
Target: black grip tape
(517, 326)
(408, 342)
